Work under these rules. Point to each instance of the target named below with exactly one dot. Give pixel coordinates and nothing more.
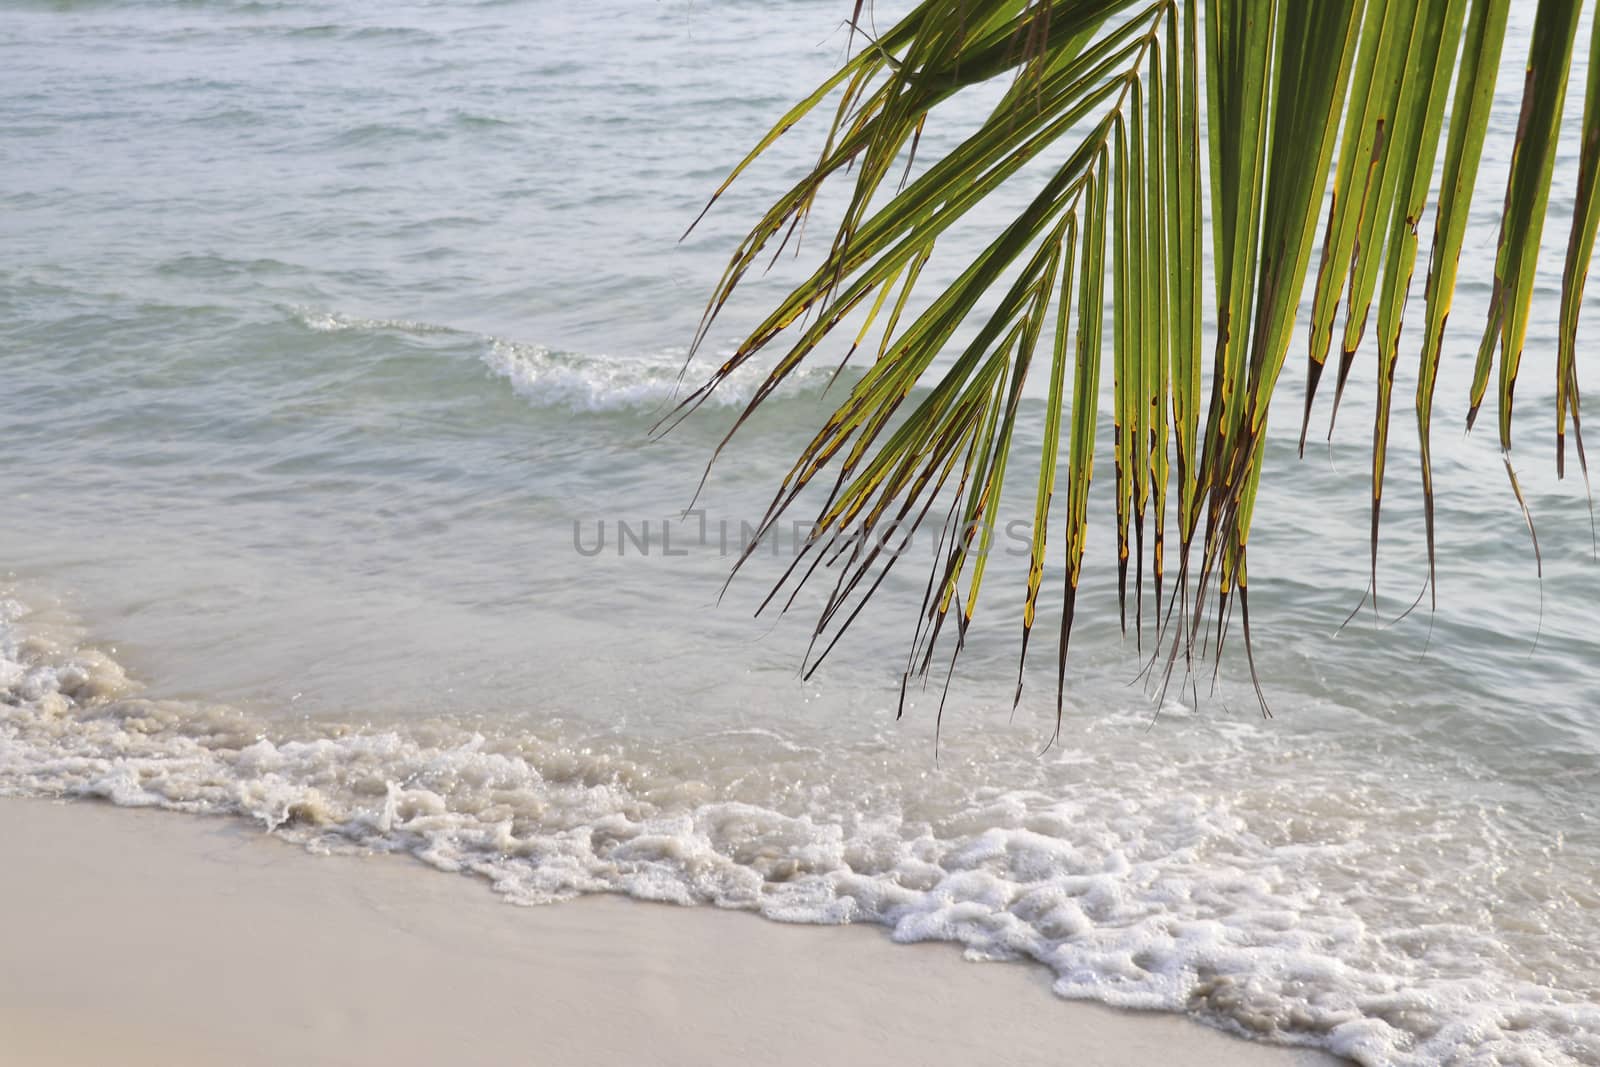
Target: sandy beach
(143, 937)
(442, 623)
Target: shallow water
(329, 340)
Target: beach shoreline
(146, 937)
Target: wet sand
(142, 937)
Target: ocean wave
(1150, 898)
(476, 120)
(548, 377)
(580, 382)
(335, 322)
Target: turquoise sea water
(330, 334)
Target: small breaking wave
(335, 322)
(1147, 898)
(578, 382)
(547, 377)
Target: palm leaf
(1336, 109)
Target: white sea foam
(1147, 899)
(335, 322)
(658, 381)
(547, 377)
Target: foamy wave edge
(547, 377)
(543, 821)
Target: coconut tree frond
(1527, 192)
(1580, 246)
(1338, 108)
(1469, 121)
(1305, 90)
(1419, 118)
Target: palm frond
(1335, 110)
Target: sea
(332, 337)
